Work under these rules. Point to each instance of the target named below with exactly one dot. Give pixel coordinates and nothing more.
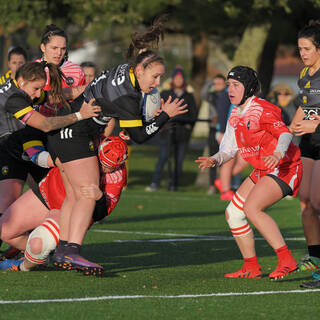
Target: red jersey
(53, 193)
(254, 132)
(74, 77)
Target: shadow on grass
(162, 216)
(144, 254)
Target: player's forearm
(283, 143)
(148, 130)
(221, 157)
(54, 123)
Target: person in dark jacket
(175, 135)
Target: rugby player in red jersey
(39, 208)
(255, 130)
(54, 47)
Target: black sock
(73, 248)
(314, 251)
(61, 246)
(62, 243)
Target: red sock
(283, 252)
(251, 262)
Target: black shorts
(285, 188)
(10, 168)
(309, 148)
(38, 194)
(69, 148)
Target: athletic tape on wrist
(78, 115)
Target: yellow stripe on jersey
(22, 112)
(8, 74)
(132, 77)
(303, 72)
(32, 143)
(130, 123)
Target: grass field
(164, 256)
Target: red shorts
(290, 175)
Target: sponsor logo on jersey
(304, 99)
(307, 86)
(278, 124)
(102, 76)
(5, 170)
(314, 91)
(91, 146)
(121, 76)
(69, 81)
(150, 129)
(249, 151)
(248, 125)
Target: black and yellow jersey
(309, 92)
(21, 140)
(15, 105)
(118, 93)
(5, 77)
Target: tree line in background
(248, 32)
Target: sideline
(182, 296)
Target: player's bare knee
(36, 245)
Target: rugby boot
(217, 183)
(227, 196)
(246, 271)
(76, 262)
(284, 268)
(10, 264)
(311, 285)
(309, 263)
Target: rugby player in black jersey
(16, 103)
(306, 124)
(119, 93)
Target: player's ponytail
(56, 76)
(33, 71)
(311, 31)
(140, 49)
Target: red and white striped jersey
(254, 132)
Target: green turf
(138, 263)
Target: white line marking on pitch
(189, 237)
(182, 296)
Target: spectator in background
(176, 133)
(17, 57)
(282, 95)
(89, 70)
(219, 110)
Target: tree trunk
(266, 66)
(251, 45)
(200, 53)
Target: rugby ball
(152, 103)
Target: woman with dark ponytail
(306, 124)
(54, 47)
(119, 91)
(16, 104)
